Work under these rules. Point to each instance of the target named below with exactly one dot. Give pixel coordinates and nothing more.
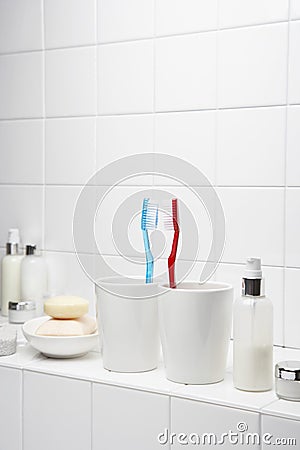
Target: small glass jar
(287, 380)
(8, 340)
(20, 312)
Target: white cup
(195, 325)
(128, 320)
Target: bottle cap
(253, 268)
(253, 282)
(21, 306)
(30, 249)
(13, 236)
(288, 370)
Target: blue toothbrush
(149, 221)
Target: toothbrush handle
(171, 259)
(149, 257)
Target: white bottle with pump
(33, 278)
(11, 265)
(253, 333)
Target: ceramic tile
(293, 138)
(120, 20)
(254, 224)
(71, 82)
(292, 237)
(294, 64)
(21, 145)
(251, 147)
(252, 66)
(70, 150)
(125, 78)
(292, 308)
(186, 72)
(20, 25)
(69, 23)
(190, 136)
(23, 206)
(233, 13)
(75, 432)
(21, 86)
(181, 16)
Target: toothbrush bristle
(170, 215)
(149, 218)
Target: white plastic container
(11, 270)
(195, 324)
(253, 333)
(33, 278)
(128, 320)
(287, 380)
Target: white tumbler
(128, 320)
(195, 326)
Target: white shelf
(90, 368)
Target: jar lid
(288, 370)
(21, 306)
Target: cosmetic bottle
(11, 264)
(33, 278)
(253, 333)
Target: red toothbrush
(173, 224)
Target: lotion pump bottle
(253, 333)
(33, 278)
(11, 264)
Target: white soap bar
(73, 327)
(66, 307)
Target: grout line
(170, 417)
(22, 409)
(285, 179)
(92, 415)
(44, 129)
(143, 113)
(166, 36)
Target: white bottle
(33, 278)
(253, 333)
(11, 264)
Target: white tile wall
(186, 72)
(138, 427)
(83, 83)
(254, 224)
(293, 139)
(295, 9)
(21, 84)
(11, 414)
(21, 144)
(125, 78)
(68, 413)
(292, 309)
(69, 23)
(185, 16)
(120, 20)
(292, 227)
(234, 13)
(70, 150)
(20, 25)
(249, 140)
(252, 66)
(71, 82)
(294, 66)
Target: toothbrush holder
(128, 320)
(195, 326)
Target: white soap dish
(58, 346)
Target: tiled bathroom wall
(214, 82)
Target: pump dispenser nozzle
(253, 282)
(253, 268)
